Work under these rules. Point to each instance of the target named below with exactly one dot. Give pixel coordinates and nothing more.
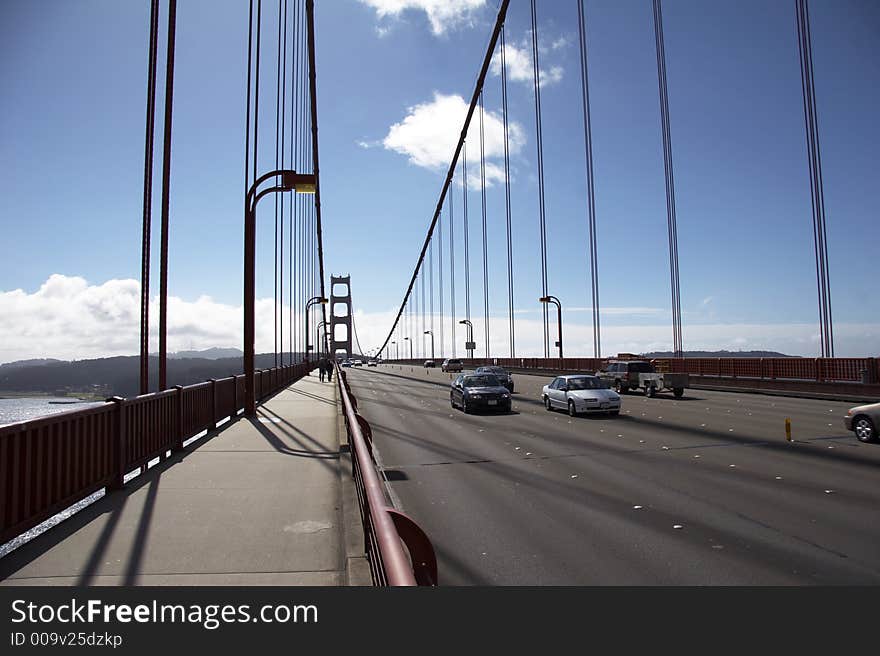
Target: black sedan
(479, 391)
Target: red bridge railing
(821, 370)
(398, 550)
(51, 463)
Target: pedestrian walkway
(259, 502)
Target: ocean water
(25, 408)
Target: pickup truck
(626, 375)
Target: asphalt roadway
(703, 490)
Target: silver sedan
(863, 421)
(580, 393)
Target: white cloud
(442, 14)
(429, 133)
(520, 67)
(67, 318)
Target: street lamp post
(554, 300)
(394, 344)
(410, 347)
(312, 301)
(290, 181)
(431, 333)
(321, 345)
(470, 343)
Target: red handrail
(381, 519)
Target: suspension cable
(670, 182)
(467, 257)
(149, 138)
(452, 321)
(540, 149)
(166, 195)
(485, 241)
(313, 96)
(278, 141)
(507, 197)
(591, 196)
(440, 280)
(502, 12)
(817, 195)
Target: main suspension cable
(502, 12)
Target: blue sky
(73, 76)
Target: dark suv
(623, 376)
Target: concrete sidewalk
(258, 502)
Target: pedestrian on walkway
(322, 368)
(329, 371)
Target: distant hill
(29, 363)
(719, 354)
(119, 375)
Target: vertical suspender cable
(431, 289)
(670, 182)
(591, 196)
(284, 197)
(452, 272)
(257, 83)
(485, 240)
(294, 237)
(467, 257)
(422, 333)
(540, 148)
(277, 166)
(507, 197)
(149, 138)
(817, 196)
(166, 184)
(316, 205)
(440, 279)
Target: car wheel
(679, 392)
(864, 429)
(572, 411)
(452, 400)
(547, 405)
(650, 391)
(618, 387)
(614, 413)
(464, 406)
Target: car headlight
(848, 412)
(505, 396)
(475, 396)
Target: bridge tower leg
(340, 314)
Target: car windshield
(641, 367)
(492, 370)
(485, 380)
(453, 361)
(585, 383)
